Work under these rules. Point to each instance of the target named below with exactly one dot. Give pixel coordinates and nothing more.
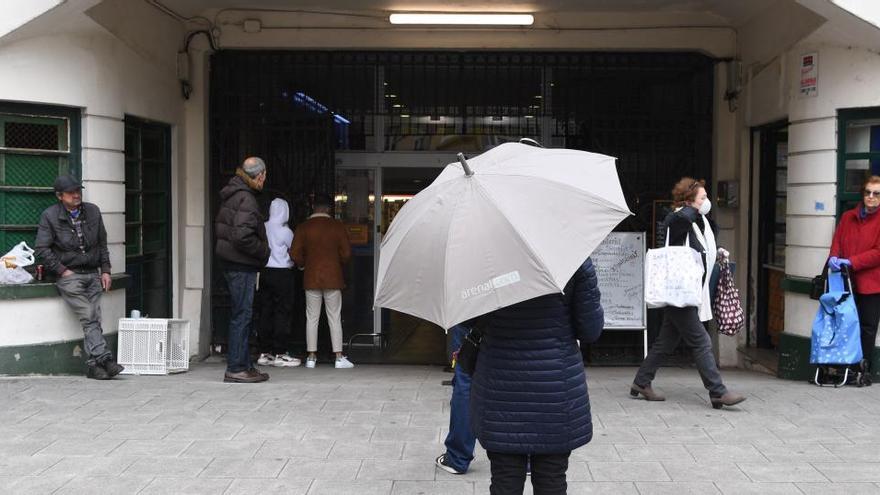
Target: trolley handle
(847, 277)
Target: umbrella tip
(464, 164)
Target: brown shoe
(255, 370)
(646, 391)
(248, 376)
(728, 399)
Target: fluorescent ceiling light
(868, 10)
(463, 19)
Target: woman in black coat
(529, 400)
(688, 225)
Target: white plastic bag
(14, 276)
(12, 263)
(673, 276)
(20, 255)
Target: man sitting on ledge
(72, 242)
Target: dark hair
(322, 201)
(685, 190)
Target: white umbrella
(509, 225)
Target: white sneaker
(310, 362)
(343, 362)
(266, 359)
(286, 361)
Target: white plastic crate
(153, 346)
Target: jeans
(332, 299)
(682, 324)
(276, 303)
(868, 306)
(241, 294)
(82, 292)
(460, 440)
(509, 473)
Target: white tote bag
(673, 276)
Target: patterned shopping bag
(726, 307)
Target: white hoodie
(279, 235)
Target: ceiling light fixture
(481, 19)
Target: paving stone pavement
(376, 430)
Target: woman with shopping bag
(687, 309)
(856, 244)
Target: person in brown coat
(321, 247)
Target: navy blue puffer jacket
(529, 390)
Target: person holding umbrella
(508, 234)
(529, 399)
(688, 225)
(856, 244)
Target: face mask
(706, 207)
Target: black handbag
(469, 350)
(817, 287)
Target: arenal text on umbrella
(495, 283)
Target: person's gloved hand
(836, 263)
(723, 253)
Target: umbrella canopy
(509, 225)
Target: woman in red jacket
(857, 244)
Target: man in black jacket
(243, 249)
(72, 242)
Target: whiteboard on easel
(620, 268)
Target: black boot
(97, 372)
(111, 366)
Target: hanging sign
(810, 74)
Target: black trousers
(509, 473)
(276, 306)
(868, 306)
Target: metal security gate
(255, 113)
(651, 110)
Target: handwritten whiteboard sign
(620, 268)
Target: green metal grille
(23, 208)
(33, 136)
(9, 238)
(32, 170)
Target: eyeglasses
(868, 193)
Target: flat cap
(66, 183)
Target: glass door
(371, 188)
(148, 217)
(355, 206)
(772, 232)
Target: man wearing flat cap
(243, 249)
(72, 242)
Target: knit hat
(253, 166)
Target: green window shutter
(36, 145)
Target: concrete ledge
(58, 358)
(48, 289)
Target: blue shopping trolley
(836, 345)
